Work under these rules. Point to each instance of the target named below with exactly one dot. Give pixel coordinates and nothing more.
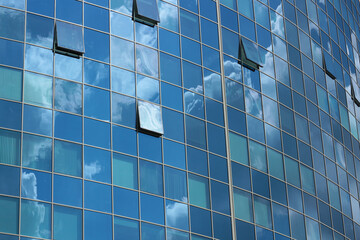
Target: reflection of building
(226, 120)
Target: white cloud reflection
(150, 117)
(92, 169)
(29, 185)
(176, 214)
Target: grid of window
(164, 130)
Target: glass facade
(179, 120)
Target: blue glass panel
(41, 7)
(35, 219)
(100, 22)
(190, 50)
(125, 228)
(97, 226)
(195, 132)
(170, 69)
(9, 180)
(151, 178)
(152, 208)
(67, 223)
(216, 139)
(168, 16)
(208, 9)
(40, 30)
(11, 115)
(174, 154)
(126, 202)
(68, 67)
(124, 140)
(68, 96)
(15, 4)
(122, 53)
(69, 37)
(209, 33)
(174, 234)
(122, 81)
(14, 27)
(96, 74)
(147, 61)
(42, 63)
(11, 53)
(218, 168)
(197, 161)
(96, 103)
(247, 230)
(123, 110)
(281, 219)
(68, 191)
(69, 10)
(97, 133)
(230, 43)
(36, 152)
(169, 42)
(295, 198)
(68, 126)
(97, 196)
(256, 129)
(175, 184)
(152, 232)
(220, 197)
(171, 96)
(169, 119)
(97, 164)
(96, 45)
(37, 120)
(122, 26)
(146, 35)
(200, 221)
(68, 158)
(194, 104)
(278, 191)
(260, 183)
(148, 89)
(189, 24)
(241, 176)
(222, 227)
(237, 120)
(177, 215)
(36, 185)
(298, 221)
(192, 77)
(150, 147)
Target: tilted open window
(146, 11)
(355, 92)
(150, 118)
(249, 54)
(328, 64)
(69, 39)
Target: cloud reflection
(92, 169)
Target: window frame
(138, 16)
(141, 125)
(244, 59)
(63, 49)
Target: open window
(150, 118)
(249, 54)
(355, 92)
(328, 65)
(69, 39)
(146, 11)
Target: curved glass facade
(179, 119)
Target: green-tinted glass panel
(199, 191)
(251, 51)
(292, 171)
(322, 99)
(262, 212)
(37, 152)
(67, 223)
(344, 117)
(68, 158)
(258, 156)
(238, 148)
(125, 171)
(11, 83)
(9, 215)
(243, 205)
(38, 89)
(246, 8)
(35, 219)
(307, 179)
(276, 165)
(353, 125)
(10, 147)
(334, 195)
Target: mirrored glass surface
(11, 53)
(39, 59)
(147, 89)
(14, 27)
(36, 185)
(147, 11)
(68, 96)
(97, 103)
(67, 223)
(68, 67)
(68, 158)
(69, 37)
(39, 30)
(38, 89)
(97, 226)
(150, 117)
(97, 196)
(9, 217)
(97, 45)
(122, 53)
(11, 116)
(68, 191)
(97, 164)
(37, 120)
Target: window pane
(36, 185)
(10, 115)
(147, 61)
(97, 196)
(11, 83)
(152, 208)
(195, 132)
(9, 180)
(150, 117)
(243, 205)
(97, 74)
(35, 219)
(14, 27)
(37, 120)
(262, 212)
(12, 53)
(68, 126)
(10, 147)
(68, 96)
(199, 191)
(97, 133)
(9, 215)
(148, 89)
(97, 45)
(97, 226)
(122, 53)
(147, 11)
(96, 103)
(38, 89)
(151, 179)
(126, 202)
(251, 51)
(68, 158)
(68, 191)
(175, 184)
(69, 37)
(42, 63)
(125, 228)
(97, 164)
(177, 215)
(68, 68)
(238, 148)
(125, 171)
(67, 223)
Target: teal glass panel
(35, 219)
(334, 195)
(148, 89)
(10, 147)
(152, 232)
(307, 179)
(344, 117)
(125, 171)
(68, 158)
(67, 223)
(258, 156)
(38, 89)
(199, 191)
(37, 152)
(9, 215)
(151, 177)
(68, 67)
(262, 212)
(126, 229)
(68, 96)
(238, 148)
(243, 205)
(246, 8)
(292, 171)
(11, 83)
(322, 99)
(312, 228)
(276, 165)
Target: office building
(179, 119)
